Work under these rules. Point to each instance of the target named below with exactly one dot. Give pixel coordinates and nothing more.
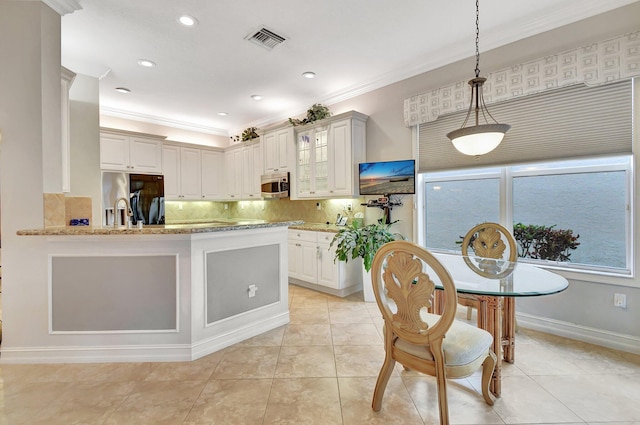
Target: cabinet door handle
(318, 255)
(275, 169)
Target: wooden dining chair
(404, 277)
(488, 240)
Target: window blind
(568, 122)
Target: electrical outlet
(226, 206)
(252, 290)
(349, 206)
(318, 206)
(620, 300)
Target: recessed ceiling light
(223, 114)
(123, 90)
(146, 63)
(309, 74)
(188, 21)
(256, 97)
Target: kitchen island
(160, 293)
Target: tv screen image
(388, 178)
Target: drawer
(302, 235)
(325, 237)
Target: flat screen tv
(388, 178)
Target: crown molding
(62, 7)
(152, 119)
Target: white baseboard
(627, 343)
(218, 342)
(139, 353)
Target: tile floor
(321, 369)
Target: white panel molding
(594, 64)
(616, 341)
(141, 353)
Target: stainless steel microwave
(275, 185)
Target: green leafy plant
(544, 242)
(248, 134)
(315, 113)
(357, 240)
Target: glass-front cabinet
(328, 154)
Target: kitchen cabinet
(311, 264)
(130, 152)
(212, 175)
(233, 171)
(243, 165)
(328, 153)
(192, 173)
(251, 171)
(279, 150)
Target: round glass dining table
(496, 284)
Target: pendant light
(478, 139)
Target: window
(587, 199)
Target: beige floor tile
(597, 398)
(272, 338)
(231, 401)
(466, 404)
(247, 363)
(181, 371)
(157, 403)
(349, 313)
(309, 316)
(356, 395)
(307, 335)
(540, 360)
(524, 401)
(309, 401)
(361, 360)
(355, 334)
(119, 372)
(306, 362)
(90, 403)
(34, 395)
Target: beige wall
(85, 141)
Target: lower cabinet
(311, 264)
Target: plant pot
(367, 286)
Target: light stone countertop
(317, 227)
(160, 229)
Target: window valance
(595, 64)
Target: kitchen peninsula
(160, 293)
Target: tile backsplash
(281, 209)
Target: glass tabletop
(486, 276)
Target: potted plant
(315, 113)
(247, 135)
(363, 241)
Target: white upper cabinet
(233, 171)
(328, 153)
(130, 152)
(243, 167)
(251, 171)
(191, 173)
(278, 150)
(212, 175)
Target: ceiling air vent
(265, 38)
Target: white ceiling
(353, 46)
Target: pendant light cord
(477, 38)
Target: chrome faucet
(128, 213)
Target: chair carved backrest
(403, 290)
(488, 240)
